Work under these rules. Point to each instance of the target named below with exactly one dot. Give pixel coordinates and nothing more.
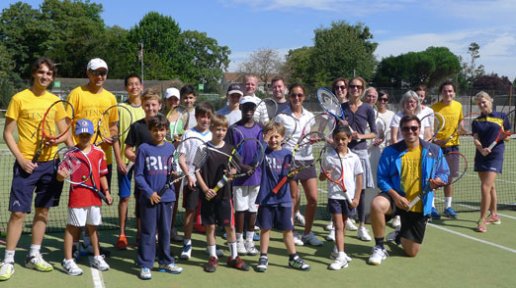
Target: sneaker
(212, 264)
(250, 248)
(334, 254)
(338, 264)
(297, 239)
(187, 252)
(494, 219)
(311, 239)
(263, 263)
(329, 226)
(71, 268)
(241, 250)
(481, 226)
(6, 271)
(38, 263)
(377, 256)
(175, 237)
(299, 264)
(145, 273)
(396, 222)
(299, 219)
(435, 215)
(238, 263)
(363, 234)
(121, 243)
(171, 268)
(99, 263)
(331, 235)
(350, 225)
(450, 213)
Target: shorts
(190, 197)
(452, 159)
(42, 181)
(216, 211)
(80, 217)
(124, 183)
(340, 206)
(244, 198)
(307, 173)
(274, 217)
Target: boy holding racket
(275, 209)
(84, 204)
(151, 174)
(216, 206)
(338, 205)
(407, 169)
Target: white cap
(172, 92)
(248, 99)
(96, 63)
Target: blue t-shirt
(237, 133)
(275, 166)
(487, 128)
(151, 170)
(359, 121)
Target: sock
(379, 242)
(233, 249)
(212, 250)
(292, 256)
(9, 256)
(239, 237)
(447, 202)
(187, 242)
(263, 255)
(249, 235)
(34, 249)
(342, 255)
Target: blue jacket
(389, 169)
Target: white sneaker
(377, 256)
(299, 219)
(170, 268)
(363, 234)
(396, 222)
(338, 264)
(250, 248)
(6, 270)
(145, 273)
(37, 262)
(99, 263)
(350, 225)
(187, 252)
(71, 268)
(297, 240)
(331, 235)
(329, 226)
(335, 254)
(241, 248)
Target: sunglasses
(410, 128)
(299, 95)
(98, 73)
(341, 87)
(356, 86)
(383, 99)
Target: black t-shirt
(138, 133)
(214, 168)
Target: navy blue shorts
(490, 163)
(216, 211)
(452, 159)
(336, 206)
(124, 183)
(307, 173)
(42, 181)
(274, 217)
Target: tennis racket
(177, 131)
(505, 134)
(193, 153)
(78, 169)
(170, 175)
(381, 131)
(111, 114)
(436, 121)
(333, 169)
(330, 103)
(427, 189)
(458, 166)
(48, 131)
(269, 106)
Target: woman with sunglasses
(340, 89)
(361, 118)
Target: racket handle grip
(492, 145)
(348, 198)
(220, 184)
(36, 156)
(414, 202)
(280, 184)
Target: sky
(398, 26)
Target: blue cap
(83, 126)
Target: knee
(379, 205)
(17, 216)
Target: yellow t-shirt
(28, 110)
(453, 115)
(137, 113)
(411, 174)
(92, 106)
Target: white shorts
(244, 198)
(83, 216)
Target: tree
(492, 82)
(471, 71)
(297, 67)
(264, 63)
(6, 76)
(121, 53)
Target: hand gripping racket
(503, 133)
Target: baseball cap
(172, 92)
(247, 99)
(97, 63)
(83, 126)
(235, 88)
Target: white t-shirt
(352, 167)
(396, 124)
(293, 131)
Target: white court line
(478, 208)
(473, 238)
(96, 275)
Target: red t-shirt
(85, 197)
